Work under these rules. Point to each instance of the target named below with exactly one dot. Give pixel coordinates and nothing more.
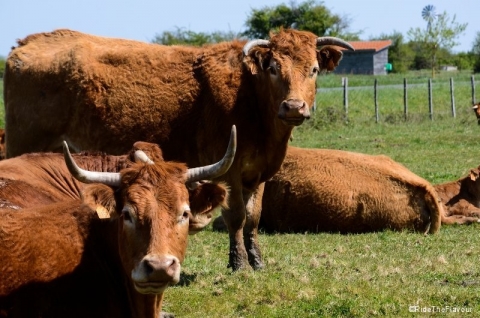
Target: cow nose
(295, 107)
(162, 268)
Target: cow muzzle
(155, 273)
(294, 111)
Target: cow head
(476, 109)
(150, 201)
(288, 65)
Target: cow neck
(143, 306)
(140, 305)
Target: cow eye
(315, 71)
(272, 70)
(185, 215)
(127, 216)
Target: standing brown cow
(461, 198)
(103, 94)
(111, 254)
(322, 190)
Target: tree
(476, 53)
(310, 16)
(441, 32)
(400, 55)
(188, 37)
(2, 66)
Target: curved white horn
(142, 157)
(252, 43)
(85, 176)
(219, 168)
(331, 40)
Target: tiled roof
(370, 45)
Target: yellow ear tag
(102, 212)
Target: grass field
(367, 275)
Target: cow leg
(459, 219)
(250, 230)
(234, 218)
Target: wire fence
(430, 99)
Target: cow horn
(252, 43)
(142, 157)
(219, 168)
(331, 40)
(85, 176)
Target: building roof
(370, 45)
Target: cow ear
(100, 198)
(328, 58)
(256, 59)
(205, 197)
(474, 175)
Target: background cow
(461, 198)
(320, 190)
(476, 110)
(111, 254)
(103, 94)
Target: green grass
(367, 275)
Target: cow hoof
(164, 314)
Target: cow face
(206, 200)
(152, 211)
(288, 66)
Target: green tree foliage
(476, 53)
(400, 55)
(2, 66)
(441, 33)
(310, 15)
(187, 37)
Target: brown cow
(320, 190)
(2, 143)
(31, 180)
(461, 198)
(91, 90)
(111, 254)
(476, 110)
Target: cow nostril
(149, 267)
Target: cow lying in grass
(476, 109)
(320, 190)
(461, 198)
(110, 254)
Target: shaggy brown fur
(476, 110)
(64, 261)
(2, 144)
(37, 179)
(320, 190)
(461, 198)
(104, 94)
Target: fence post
(375, 85)
(345, 96)
(430, 105)
(473, 89)
(405, 103)
(452, 98)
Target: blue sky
(143, 19)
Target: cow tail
(436, 210)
